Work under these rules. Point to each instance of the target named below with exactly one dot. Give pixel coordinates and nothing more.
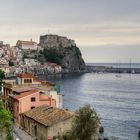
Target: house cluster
(36, 107)
(5, 56)
(23, 57)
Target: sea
(116, 100)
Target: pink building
(24, 100)
(27, 92)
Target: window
(33, 99)
(25, 80)
(32, 107)
(30, 80)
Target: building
(53, 68)
(23, 100)
(55, 41)
(4, 67)
(26, 49)
(27, 45)
(46, 122)
(23, 88)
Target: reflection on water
(117, 100)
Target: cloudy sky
(104, 30)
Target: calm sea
(116, 100)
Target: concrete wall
(58, 98)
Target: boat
(118, 75)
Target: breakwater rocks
(103, 69)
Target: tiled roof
(24, 94)
(48, 115)
(25, 75)
(25, 89)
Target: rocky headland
(62, 51)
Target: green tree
(51, 55)
(5, 122)
(85, 125)
(2, 76)
(5, 116)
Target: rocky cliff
(62, 51)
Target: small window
(33, 99)
(32, 107)
(25, 80)
(30, 80)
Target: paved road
(20, 134)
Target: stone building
(55, 41)
(46, 122)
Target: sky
(104, 30)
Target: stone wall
(42, 132)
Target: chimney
(31, 40)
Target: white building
(27, 45)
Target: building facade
(24, 100)
(18, 94)
(46, 122)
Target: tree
(85, 125)
(5, 116)
(5, 122)
(2, 76)
(51, 55)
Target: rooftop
(27, 42)
(24, 94)
(25, 75)
(48, 115)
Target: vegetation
(2, 76)
(5, 122)
(85, 125)
(5, 116)
(51, 55)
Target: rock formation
(67, 51)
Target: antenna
(130, 65)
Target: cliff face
(69, 55)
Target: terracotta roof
(25, 89)
(25, 75)
(48, 115)
(24, 94)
